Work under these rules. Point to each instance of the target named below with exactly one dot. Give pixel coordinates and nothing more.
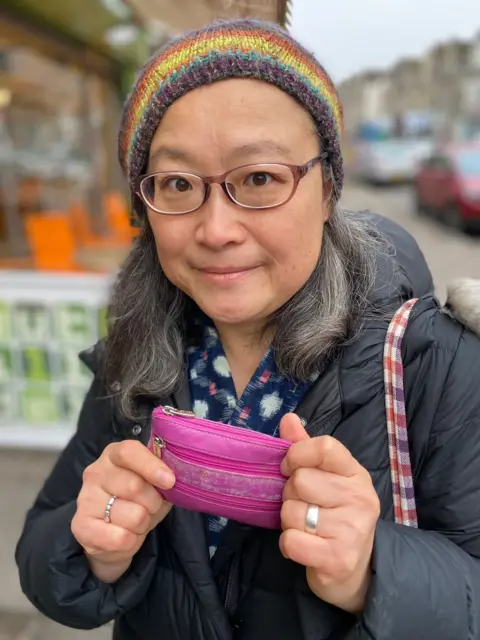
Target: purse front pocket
(220, 500)
(251, 484)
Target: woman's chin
(234, 314)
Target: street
(449, 254)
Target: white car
(390, 161)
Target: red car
(447, 186)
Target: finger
(292, 429)
(330, 521)
(324, 557)
(315, 486)
(134, 456)
(323, 452)
(305, 548)
(98, 536)
(131, 516)
(132, 488)
(126, 485)
(135, 517)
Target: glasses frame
(298, 171)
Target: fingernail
(165, 479)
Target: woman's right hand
(130, 472)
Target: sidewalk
(36, 627)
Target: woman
(231, 144)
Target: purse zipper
(184, 453)
(158, 445)
(171, 411)
(204, 423)
(254, 505)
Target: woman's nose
(219, 220)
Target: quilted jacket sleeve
(426, 582)
(54, 573)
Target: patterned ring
(108, 508)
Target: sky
(349, 36)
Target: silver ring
(108, 508)
(311, 519)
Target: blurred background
(409, 77)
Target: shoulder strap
(405, 511)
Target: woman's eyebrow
(169, 153)
(261, 146)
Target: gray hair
(150, 318)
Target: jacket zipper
(229, 583)
(232, 567)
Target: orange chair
(117, 218)
(80, 220)
(52, 242)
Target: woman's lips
(228, 274)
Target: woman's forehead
(243, 100)
(244, 117)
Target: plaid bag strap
(405, 511)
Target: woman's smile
(227, 275)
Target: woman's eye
(176, 184)
(258, 179)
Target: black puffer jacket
(426, 583)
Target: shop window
(56, 145)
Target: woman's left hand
(323, 473)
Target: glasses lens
(260, 185)
(170, 192)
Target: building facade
(445, 81)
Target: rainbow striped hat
(228, 49)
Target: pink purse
(233, 472)
(220, 469)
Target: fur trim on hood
(463, 302)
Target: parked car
(393, 161)
(447, 186)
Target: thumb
(292, 429)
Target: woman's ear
(328, 204)
(328, 195)
(137, 212)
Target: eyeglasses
(251, 186)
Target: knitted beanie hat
(228, 49)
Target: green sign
(42, 380)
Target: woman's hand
(322, 472)
(130, 472)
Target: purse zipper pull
(158, 445)
(171, 411)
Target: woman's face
(239, 265)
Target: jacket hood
(463, 302)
